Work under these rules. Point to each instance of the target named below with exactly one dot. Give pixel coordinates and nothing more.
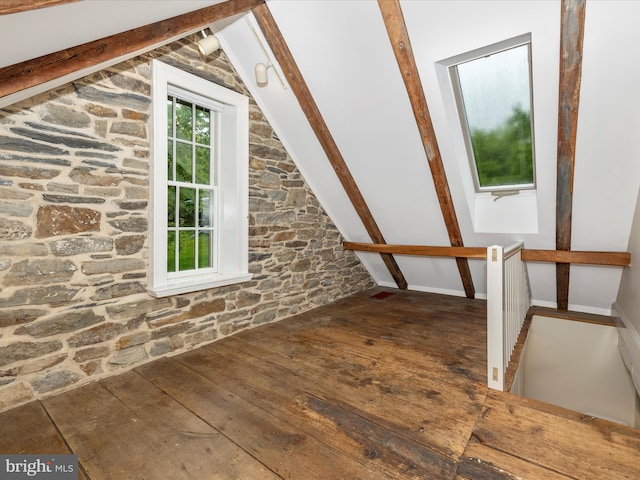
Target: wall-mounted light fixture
(262, 69)
(262, 78)
(207, 45)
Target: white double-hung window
(199, 224)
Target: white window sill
(511, 214)
(186, 285)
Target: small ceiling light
(262, 79)
(262, 69)
(207, 45)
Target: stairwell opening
(577, 365)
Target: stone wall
(74, 206)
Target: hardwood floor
(370, 387)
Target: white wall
(577, 365)
(629, 292)
(627, 305)
(356, 83)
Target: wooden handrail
(614, 259)
(425, 251)
(512, 249)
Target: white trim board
(573, 307)
(628, 344)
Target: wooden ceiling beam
(15, 6)
(20, 76)
(611, 259)
(300, 89)
(397, 31)
(614, 259)
(571, 41)
(419, 250)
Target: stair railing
(508, 300)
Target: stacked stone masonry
(74, 207)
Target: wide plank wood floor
(370, 387)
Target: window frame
(520, 41)
(232, 182)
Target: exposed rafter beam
(305, 99)
(15, 78)
(15, 6)
(419, 250)
(612, 259)
(397, 30)
(571, 40)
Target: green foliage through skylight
(503, 154)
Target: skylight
(493, 96)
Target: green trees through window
(503, 155)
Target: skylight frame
(452, 64)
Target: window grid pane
(203, 126)
(184, 119)
(203, 165)
(171, 206)
(170, 156)
(171, 251)
(184, 162)
(186, 250)
(205, 247)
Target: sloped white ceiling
(343, 52)
(34, 33)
